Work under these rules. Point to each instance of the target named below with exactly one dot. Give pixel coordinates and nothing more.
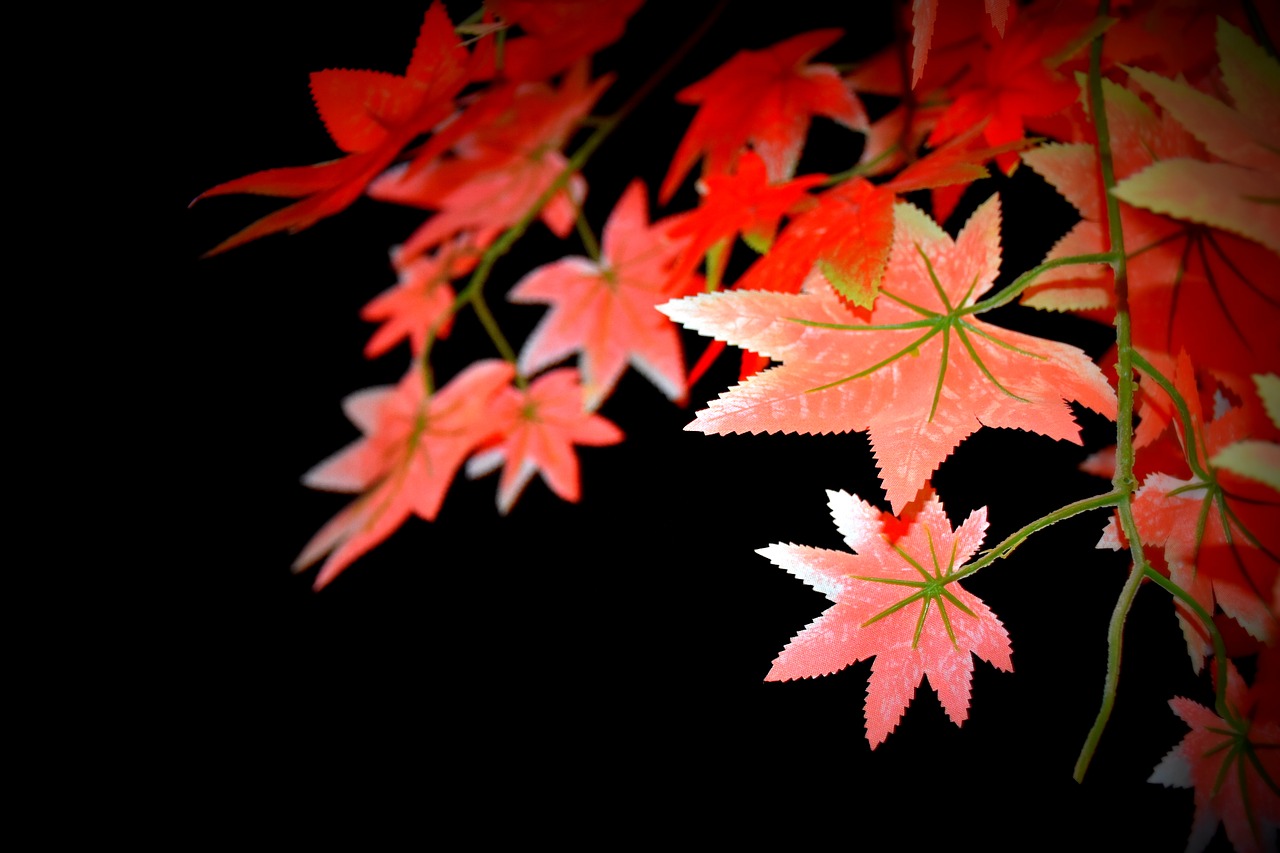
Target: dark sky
(628, 635)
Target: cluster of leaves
(855, 310)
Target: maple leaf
(539, 426)
(605, 309)
(1256, 459)
(412, 447)
(420, 303)
(895, 139)
(1218, 533)
(1171, 38)
(1017, 80)
(919, 371)
(764, 98)
(897, 600)
(1233, 766)
(743, 202)
(845, 235)
(370, 115)
(559, 32)
(1190, 285)
(500, 167)
(924, 16)
(1242, 192)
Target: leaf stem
(1013, 540)
(1184, 413)
(589, 242)
(473, 291)
(1022, 282)
(1123, 482)
(1219, 647)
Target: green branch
(1219, 647)
(1022, 282)
(472, 293)
(1013, 540)
(1123, 480)
(1184, 414)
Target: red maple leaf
(496, 171)
(743, 202)
(895, 600)
(558, 32)
(1232, 765)
(1191, 286)
(413, 446)
(924, 16)
(919, 371)
(845, 235)
(605, 309)
(1017, 80)
(539, 427)
(764, 98)
(370, 115)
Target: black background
(606, 657)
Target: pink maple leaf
(1232, 765)
(917, 371)
(605, 309)
(540, 426)
(412, 447)
(895, 599)
(1191, 285)
(504, 154)
(1220, 536)
(420, 302)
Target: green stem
(1013, 540)
(860, 169)
(1123, 481)
(472, 293)
(1024, 281)
(491, 326)
(1184, 413)
(1219, 647)
(587, 236)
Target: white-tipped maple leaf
(1253, 458)
(919, 371)
(605, 309)
(1240, 191)
(895, 599)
